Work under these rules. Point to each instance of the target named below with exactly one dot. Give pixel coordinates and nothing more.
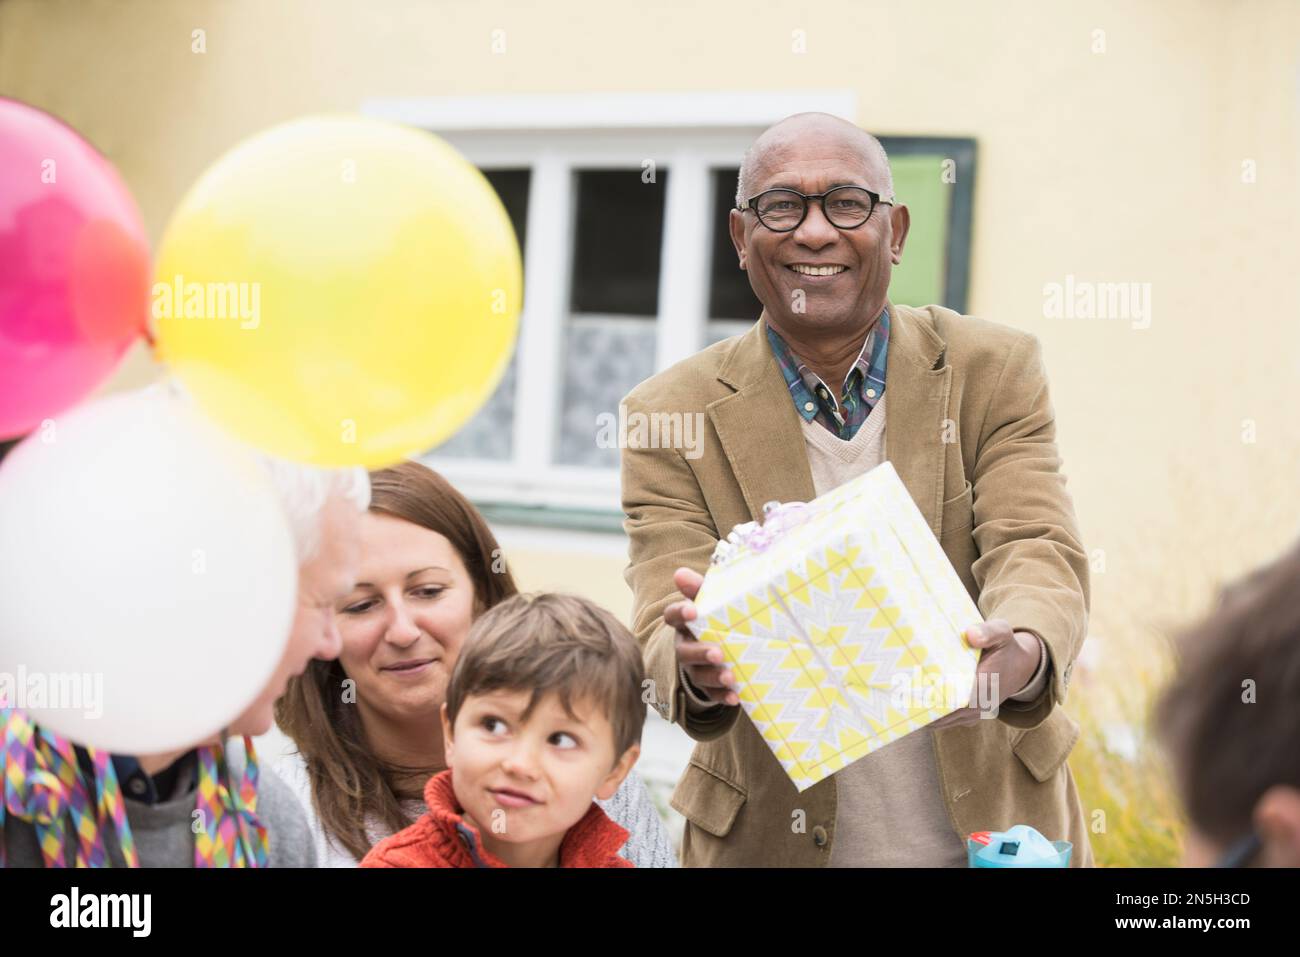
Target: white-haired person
(212, 805)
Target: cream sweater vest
(890, 812)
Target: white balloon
(147, 575)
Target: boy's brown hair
(1229, 747)
(554, 643)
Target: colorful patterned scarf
(43, 785)
(231, 835)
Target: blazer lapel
(917, 410)
(758, 426)
(761, 433)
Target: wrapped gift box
(843, 622)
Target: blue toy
(1019, 846)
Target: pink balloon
(74, 268)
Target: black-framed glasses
(845, 207)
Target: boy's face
(529, 782)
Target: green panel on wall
(919, 280)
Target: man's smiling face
(819, 277)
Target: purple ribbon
(778, 519)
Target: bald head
(812, 154)
(781, 139)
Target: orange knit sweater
(442, 838)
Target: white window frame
(685, 134)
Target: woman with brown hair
(367, 725)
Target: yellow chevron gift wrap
(845, 630)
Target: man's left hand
(1009, 659)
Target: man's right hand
(701, 662)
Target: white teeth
(818, 270)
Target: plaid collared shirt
(863, 386)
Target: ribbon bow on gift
(778, 518)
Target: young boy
(543, 716)
(1230, 721)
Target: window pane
(604, 359)
(609, 340)
(490, 434)
(617, 238)
(920, 277)
(730, 296)
(512, 188)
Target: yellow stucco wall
(1123, 165)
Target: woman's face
(404, 622)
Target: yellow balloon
(339, 291)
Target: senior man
(830, 381)
(178, 806)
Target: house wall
(1161, 151)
